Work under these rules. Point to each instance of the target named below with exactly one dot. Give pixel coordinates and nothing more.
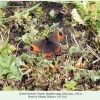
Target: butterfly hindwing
(51, 49)
(48, 51)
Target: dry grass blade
(90, 49)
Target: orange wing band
(48, 55)
(60, 36)
(58, 50)
(35, 49)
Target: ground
(78, 66)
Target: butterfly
(50, 46)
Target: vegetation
(23, 22)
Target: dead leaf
(77, 17)
(79, 63)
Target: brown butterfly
(49, 46)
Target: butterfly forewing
(57, 36)
(37, 46)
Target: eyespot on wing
(56, 36)
(34, 49)
(60, 36)
(37, 46)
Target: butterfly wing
(56, 47)
(47, 51)
(57, 36)
(51, 49)
(37, 46)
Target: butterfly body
(49, 46)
